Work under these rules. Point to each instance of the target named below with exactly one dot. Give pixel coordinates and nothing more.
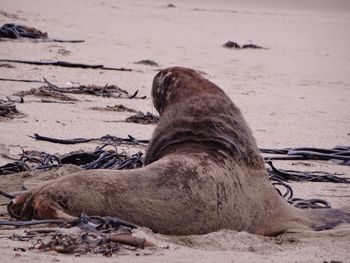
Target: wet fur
(203, 173)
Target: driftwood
(130, 240)
(22, 80)
(60, 141)
(63, 64)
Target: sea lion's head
(173, 84)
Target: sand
(293, 93)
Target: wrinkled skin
(203, 173)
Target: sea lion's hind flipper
(324, 219)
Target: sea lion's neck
(212, 123)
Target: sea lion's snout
(171, 85)
(174, 84)
(161, 89)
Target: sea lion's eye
(168, 81)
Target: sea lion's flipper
(30, 206)
(324, 219)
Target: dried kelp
(84, 242)
(111, 91)
(8, 110)
(143, 118)
(46, 92)
(93, 235)
(147, 62)
(117, 108)
(234, 45)
(16, 31)
(19, 31)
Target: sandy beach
(294, 92)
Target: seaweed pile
(143, 118)
(117, 108)
(8, 109)
(16, 31)
(93, 235)
(60, 93)
(100, 158)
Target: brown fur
(203, 173)
(195, 110)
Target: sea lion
(203, 172)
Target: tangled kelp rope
(91, 222)
(297, 176)
(339, 154)
(297, 202)
(100, 158)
